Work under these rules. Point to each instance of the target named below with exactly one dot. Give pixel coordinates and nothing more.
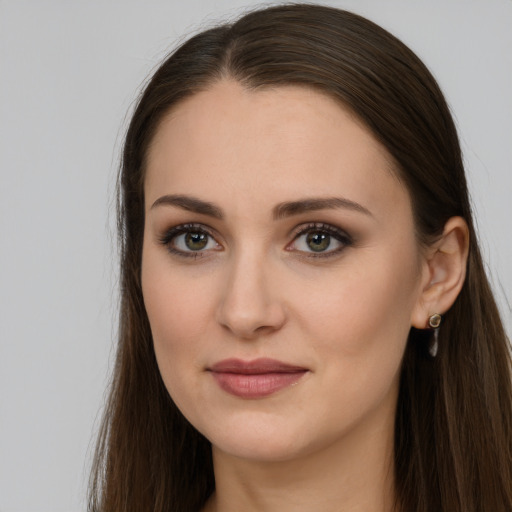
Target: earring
(434, 322)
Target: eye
(320, 240)
(189, 240)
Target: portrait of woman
(306, 323)
(256, 256)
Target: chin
(259, 449)
(267, 439)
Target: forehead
(275, 143)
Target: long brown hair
(453, 435)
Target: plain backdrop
(69, 73)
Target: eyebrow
(191, 204)
(313, 204)
(280, 211)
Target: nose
(250, 306)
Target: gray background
(69, 72)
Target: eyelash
(327, 229)
(316, 227)
(170, 235)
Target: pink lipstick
(255, 379)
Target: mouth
(255, 379)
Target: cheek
(179, 309)
(177, 312)
(360, 316)
(357, 324)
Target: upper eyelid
(320, 226)
(297, 230)
(186, 227)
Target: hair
(453, 430)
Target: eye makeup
(319, 240)
(189, 240)
(310, 240)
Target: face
(280, 270)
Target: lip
(257, 378)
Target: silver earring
(434, 322)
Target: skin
(257, 289)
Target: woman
(305, 322)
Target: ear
(444, 271)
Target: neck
(355, 474)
